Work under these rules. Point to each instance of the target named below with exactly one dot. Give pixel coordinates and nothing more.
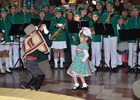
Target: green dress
(5, 25)
(53, 29)
(81, 69)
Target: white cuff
(86, 55)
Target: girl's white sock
(84, 85)
(76, 84)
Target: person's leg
(139, 57)
(107, 50)
(113, 52)
(98, 53)
(76, 84)
(84, 86)
(11, 57)
(93, 53)
(130, 55)
(39, 82)
(56, 58)
(134, 54)
(37, 74)
(16, 54)
(61, 58)
(1, 67)
(73, 51)
(119, 58)
(82, 79)
(75, 79)
(21, 41)
(7, 60)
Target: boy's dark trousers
(37, 75)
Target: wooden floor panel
(26, 94)
(102, 86)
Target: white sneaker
(2, 71)
(8, 70)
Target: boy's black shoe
(39, 82)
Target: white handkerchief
(46, 30)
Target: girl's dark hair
(89, 39)
(93, 6)
(68, 13)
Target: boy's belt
(30, 58)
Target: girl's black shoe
(84, 88)
(75, 88)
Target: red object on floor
(124, 59)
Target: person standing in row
(84, 14)
(59, 44)
(74, 37)
(48, 16)
(42, 15)
(96, 42)
(121, 25)
(110, 42)
(100, 10)
(133, 23)
(32, 10)
(46, 7)
(5, 26)
(43, 62)
(14, 19)
(25, 18)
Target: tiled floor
(102, 85)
